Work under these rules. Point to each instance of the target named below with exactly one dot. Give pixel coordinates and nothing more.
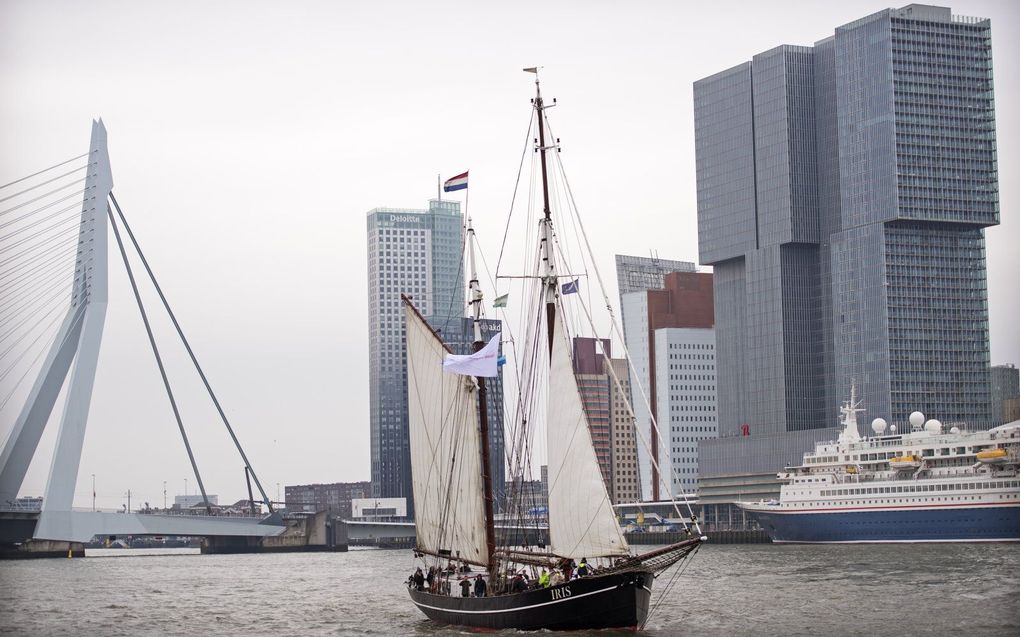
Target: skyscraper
(626, 485)
(595, 386)
(685, 301)
(686, 401)
(634, 274)
(417, 253)
(843, 193)
(609, 418)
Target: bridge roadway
(82, 526)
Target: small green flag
(500, 301)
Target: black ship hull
(617, 600)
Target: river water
(860, 590)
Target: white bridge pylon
(77, 343)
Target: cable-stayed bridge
(55, 226)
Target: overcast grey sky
(249, 139)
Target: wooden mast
(547, 252)
(483, 413)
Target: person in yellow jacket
(582, 567)
(543, 579)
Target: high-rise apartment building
(685, 301)
(843, 193)
(626, 483)
(686, 400)
(609, 418)
(417, 253)
(595, 387)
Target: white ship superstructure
(927, 484)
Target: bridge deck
(82, 526)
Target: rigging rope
(513, 198)
(636, 379)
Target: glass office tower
(843, 192)
(417, 253)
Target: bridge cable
(159, 360)
(43, 183)
(28, 226)
(18, 181)
(43, 196)
(65, 241)
(42, 333)
(41, 208)
(191, 353)
(77, 317)
(56, 288)
(55, 264)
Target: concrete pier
(37, 549)
(316, 533)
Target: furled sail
(445, 449)
(581, 518)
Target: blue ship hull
(944, 524)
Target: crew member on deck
(543, 579)
(582, 567)
(518, 584)
(479, 586)
(465, 587)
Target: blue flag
(570, 288)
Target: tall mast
(483, 408)
(547, 251)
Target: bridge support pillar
(35, 549)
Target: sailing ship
(453, 491)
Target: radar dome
(878, 426)
(892, 429)
(916, 420)
(933, 426)
(954, 430)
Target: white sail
(581, 518)
(445, 449)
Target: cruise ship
(925, 485)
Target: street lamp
(93, 493)
(164, 495)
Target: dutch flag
(456, 183)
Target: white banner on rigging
(484, 362)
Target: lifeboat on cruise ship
(905, 462)
(992, 456)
